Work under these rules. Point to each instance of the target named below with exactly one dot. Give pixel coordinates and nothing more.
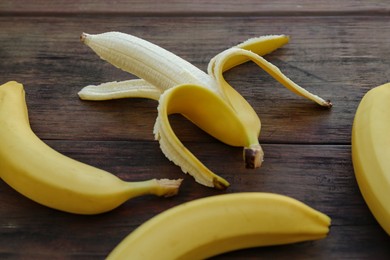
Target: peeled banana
(371, 152)
(213, 225)
(161, 71)
(42, 174)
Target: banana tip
(83, 37)
(253, 156)
(329, 104)
(220, 184)
(170, 187)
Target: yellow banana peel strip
(220, 63)
(262, 46)
(205, 109)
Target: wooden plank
(336, 58)
(322, 179)
(203, 7)
(338, 50)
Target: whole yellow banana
(42, 174)
(161, 71)
(371, 152)
(210, 226)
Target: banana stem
(253, 156)
(159, 187)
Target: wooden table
(339, 50)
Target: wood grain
(338, 68)
(320, 179)
(338, 50)
(200, 8)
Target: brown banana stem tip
(253, 156)
(171, 186)
(328, 104)
(83, 36)
(219, 185)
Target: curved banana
(371, 152)
(210, 226)
(42, 174)
(161, 70)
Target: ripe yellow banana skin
(206, 110)
(52, 179)
(371, 152)
(210, 226)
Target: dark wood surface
(338, 50)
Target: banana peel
(162, 73)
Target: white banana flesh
(146, 60)
(122, 89)
(160, 70)
(218, 224)
(52, 179)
